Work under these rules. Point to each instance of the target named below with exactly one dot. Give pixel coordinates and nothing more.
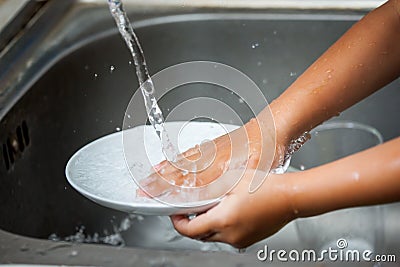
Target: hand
(243, 218)
(252, 141)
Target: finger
(200, 226)
(154, 185)
(213, 237)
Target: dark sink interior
(79, 99)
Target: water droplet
(241, 101)
(302, 167)
(96, 75)
(292, 73)
(265, 81)
(73, 253)
(118, 129)
(255, 45)
(242, 250)
(112, 68)
(259, 63)
(129, 116)
(24, 247)
(356, 176)
(130, 62)
(275, 32)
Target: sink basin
(78, 84)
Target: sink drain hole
(5, 156)
(15, 145)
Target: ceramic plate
(99, 170)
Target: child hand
(243, 218)
(241, 148)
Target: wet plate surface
(99, 170)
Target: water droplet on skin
(295, 211)
(356, 176)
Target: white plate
(99, 170)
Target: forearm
(363, 60)
(366, 178)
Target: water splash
(113, 239)
(294, 145)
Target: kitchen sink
(67, 83)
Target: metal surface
(59, 93)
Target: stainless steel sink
(58, 93)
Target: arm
(367, 178)
(363, 60)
